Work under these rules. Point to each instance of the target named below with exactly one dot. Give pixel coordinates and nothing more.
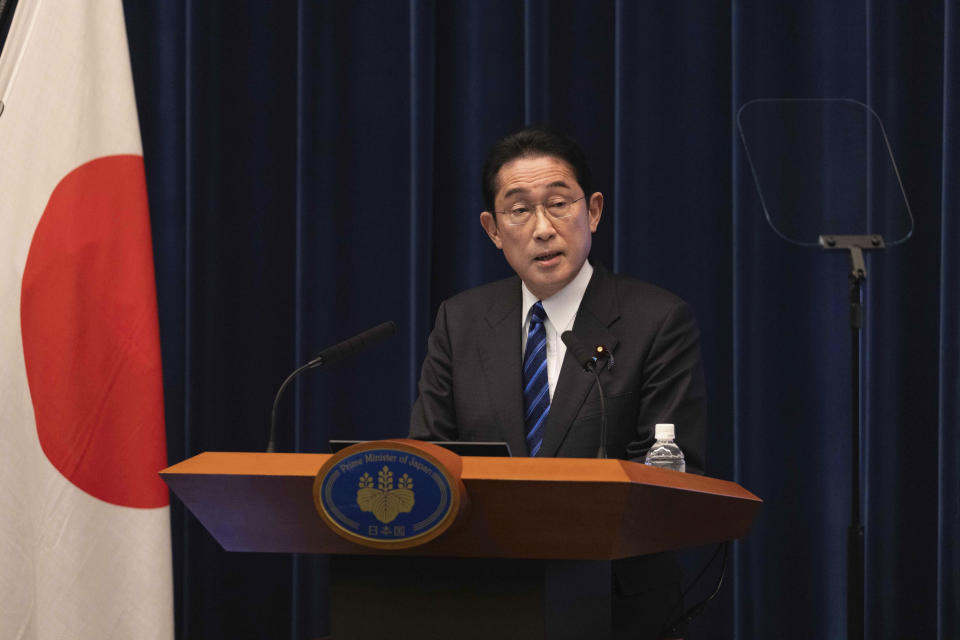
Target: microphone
(590, 361)
(337, 352)
(353, 345)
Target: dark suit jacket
(470, 385)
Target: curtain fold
(313, 170)
(948, 438)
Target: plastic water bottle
(665, 453)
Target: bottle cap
(664, 431)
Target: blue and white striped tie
(536, 388)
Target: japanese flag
(84, 518)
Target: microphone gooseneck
(590, 361)
(337, 352)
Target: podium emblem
(386, 494)
(385, 502)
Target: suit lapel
(598, 311)
(499, 352)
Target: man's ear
(595, 210)
(489, 223)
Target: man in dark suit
(485, 377)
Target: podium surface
(538, 508)
(527, 556)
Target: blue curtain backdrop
(313, 170)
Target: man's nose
(543, 224)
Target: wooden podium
(529, 557)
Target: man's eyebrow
(516, 190)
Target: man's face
(545, 252)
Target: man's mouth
(546, 257)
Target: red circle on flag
(88, 314)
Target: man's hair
(533, 142)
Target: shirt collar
(562, 306)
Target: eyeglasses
(557, 207)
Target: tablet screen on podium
(489, 449)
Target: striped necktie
(536, 388)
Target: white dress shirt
(561, 309)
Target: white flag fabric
(84, 518)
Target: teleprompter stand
(856, 245)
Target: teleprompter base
(377, 597)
